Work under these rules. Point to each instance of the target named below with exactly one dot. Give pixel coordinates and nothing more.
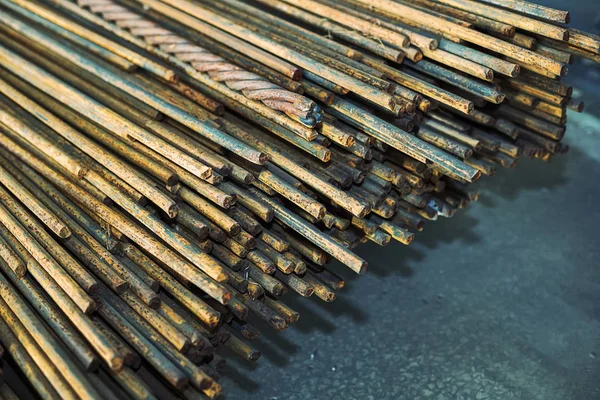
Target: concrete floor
(500, 302)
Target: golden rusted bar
(147, 97)
(324, 242)
(535, 10)
(40, 359)
(242, 349)
(101, 52)
(143, 346)
(408, 14)
(25, 363)
(188, 232)
(112, 46)
(106, 118)
(303, 201)
(522, 22)
(397, 39)
(72, 375)
(176, 338)
(200, 13)
(198, 307)
(535, 124)
(479, 21)
(496, 64)
(85, 303)
(16, 265)
(287, 26)
(55, 320)
(338, 31)
(283, 263)
(131, 229)
(210, 211)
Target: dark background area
(500, 302)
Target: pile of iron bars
(169, 169)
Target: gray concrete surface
(500, 302)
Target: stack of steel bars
(169, 169)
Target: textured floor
(500, 302)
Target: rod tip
(92, 365)
(154, 302)
(363, 268)
(64, 232)
(219, 110)
(91, 306)
(262, 159)
(172, 180)
(171, 76)
(116, 363)
(172, 210)
(297, 74)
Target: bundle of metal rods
(169, 169)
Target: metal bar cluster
(170, 169)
